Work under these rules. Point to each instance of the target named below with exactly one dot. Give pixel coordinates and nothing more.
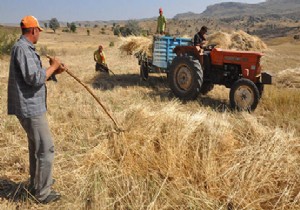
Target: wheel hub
(184, 77)
(244, 97)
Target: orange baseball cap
(30, 22)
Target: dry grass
(289, 78)
(196, 155)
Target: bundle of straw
(134, 44)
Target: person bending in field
(99, 58)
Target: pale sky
(12, 11)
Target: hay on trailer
(221, 39)
(238, 40)
(134, 45)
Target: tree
(73, 27)
(54, 24)
(46, 25)
(131, 28)
(117, 30)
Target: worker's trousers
(41, 154)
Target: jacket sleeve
(30, 67)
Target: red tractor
(194, 71)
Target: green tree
(117, 30)
(7, 40)
(54, 24)
(46, 25)
(131, 28)
(73, 27)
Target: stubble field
(171, 155)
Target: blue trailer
(162, 55)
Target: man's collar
(30, 44)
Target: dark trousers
(41, 154)
(101, 68)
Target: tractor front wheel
(244, 95)
(185, 77)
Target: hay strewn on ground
(237, 40)
(172, 155)
(135, 44)
(289, 78)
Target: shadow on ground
(14, 191)
(108, 82)
(158, 86)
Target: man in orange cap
(99, 58)
(27, 101)
(161, 23)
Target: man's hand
(54, 62)
(61, 69)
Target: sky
(12, 11)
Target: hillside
(273, 18)
(286, 8)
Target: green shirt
(161, 24)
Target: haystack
(289, 78)
(221, 39)
(133, 45)
(238, 40)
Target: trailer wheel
(144, 74)
(244, 95)
(185, 77)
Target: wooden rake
(94, 96)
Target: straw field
(171, 155)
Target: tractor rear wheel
(244, 95)
(185, 77)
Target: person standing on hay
(161, 23)
(100, 59)
(26, 100)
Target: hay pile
(132, 45)
(289, 78)
(238, 40)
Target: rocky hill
(286, 8)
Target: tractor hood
(220, 56)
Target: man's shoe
(31, 189)
(53, 196)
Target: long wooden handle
(94, 96)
